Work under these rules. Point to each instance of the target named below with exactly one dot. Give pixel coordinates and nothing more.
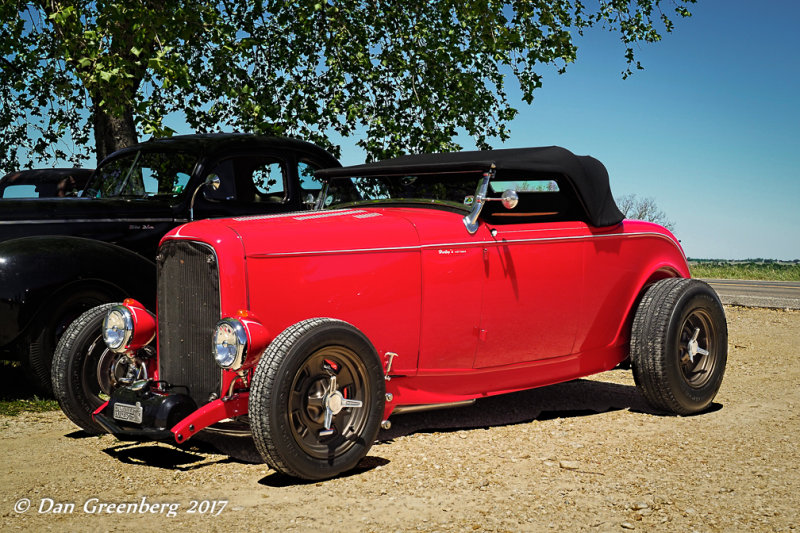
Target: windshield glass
(142, 174)
(451, 189)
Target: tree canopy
(77, 75)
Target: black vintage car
(62, 256)
(44, 183)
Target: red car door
(532, 294)
(453, 275)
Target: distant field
(762, 270)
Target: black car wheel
(84, 369)
(679, 345)
(317, 399)
(46, 332)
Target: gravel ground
(588, 455)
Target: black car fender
(38, 273)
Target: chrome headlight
(118, 328)
(230, 343)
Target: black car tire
(291, 393)
(679, 345)
(46, 332)
(75, 380)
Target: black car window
(20, 191)
(141, 174)
(542, 198)
(249, 178)
(225, 170)
(308, 183)
(268, 177)
(524, 185)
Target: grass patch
(16, 395)
(34, 405)
(757, 270)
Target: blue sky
(710, 129)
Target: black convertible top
(586, 174)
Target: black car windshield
(142, 174)
(455, 189)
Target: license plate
(128, 413)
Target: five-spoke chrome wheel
(327, 400)
(696, 347)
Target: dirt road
(587, 455)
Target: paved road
(748, 293)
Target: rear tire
(76, 366)
(679, 345)
(302, 399)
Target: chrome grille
(188, 310)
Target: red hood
(324, 231)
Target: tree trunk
(112, 132)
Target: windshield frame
(462, 206)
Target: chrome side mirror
(509, 199)
(212, 182)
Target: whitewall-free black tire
(679, 345)
(317, 399)
(76, 364)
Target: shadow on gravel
(576, 398)
(713, 408)
(161, 456)
(573, 399)
(278, 480)
(79, 434)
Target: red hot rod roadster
(418, 281)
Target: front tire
(679, 345)
(82, 366)
(316, 399)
